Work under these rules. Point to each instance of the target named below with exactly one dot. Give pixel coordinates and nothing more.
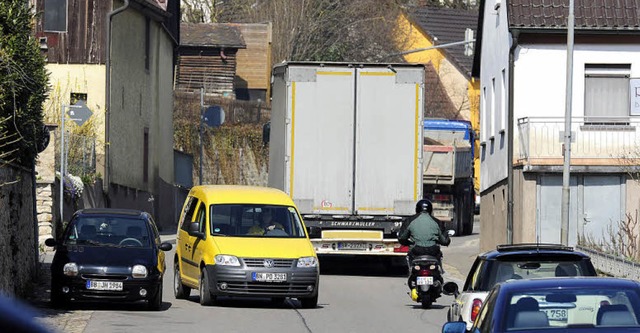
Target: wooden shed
(207, 58)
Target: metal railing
(592, 138)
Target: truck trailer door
(389, 106)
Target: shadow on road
(359, 266)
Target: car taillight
(475, 308)
(401, 248)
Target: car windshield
(528, 268)
(566, 308)
(251, 220)
(107, 231)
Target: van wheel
(180, 291)
(206, 298)
(310, 302)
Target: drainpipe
(510, 128)
(107, 113)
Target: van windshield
(251, 220)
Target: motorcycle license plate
(425, 280)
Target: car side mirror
(50, 242)
(165, 247)
(450, 288)
(194, 230)
(314, 231)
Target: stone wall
(18, 249)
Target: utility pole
(566, 176)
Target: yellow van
(235, 240)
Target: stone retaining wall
(18, 225)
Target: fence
(80, 154)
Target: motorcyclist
(423, 234)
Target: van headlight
(308, 262)
(139, 271)
(227, 260)
(70, 269)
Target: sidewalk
(67, 321)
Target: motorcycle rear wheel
(426, 301)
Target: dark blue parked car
(565, 304)
(108, 254)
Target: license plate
(269, 277)
(352, 246)
(104, 285)
(424, 280)
(557, 314)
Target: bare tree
(314, 30)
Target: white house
(521, 60)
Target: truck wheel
(180, 291)
(468, 227)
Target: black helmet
(424, 205)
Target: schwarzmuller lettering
(352, 224)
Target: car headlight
(308, 262)
(70, 269)
(227, 260)
(139, 271)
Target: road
(353, 298)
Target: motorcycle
(425, 278)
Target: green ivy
(23, 84)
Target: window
(606, 90)
(483, 115)
(503, 101)
(492, 119)
(55, 15)
(187, 214)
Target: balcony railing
(594, 140)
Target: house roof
(599, 15)
(550, 16)
(447, 25)
(211, 35)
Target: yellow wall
(65, 79)
(464, 94)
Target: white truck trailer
(346, 144)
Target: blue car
(108, 254)
(565, 304)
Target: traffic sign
(214, 116)
(79, 113)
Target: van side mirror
(194, 230)
(165, 246)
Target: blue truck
(448, 172)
